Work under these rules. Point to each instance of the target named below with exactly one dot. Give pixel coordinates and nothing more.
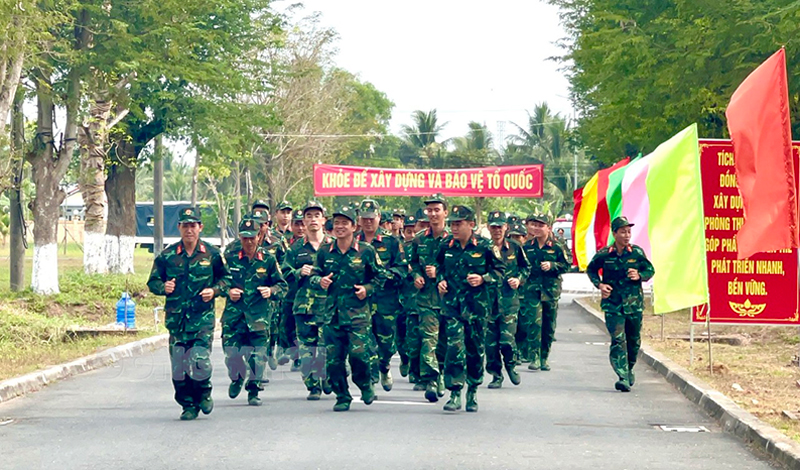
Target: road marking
(4, 421)
(392, 402)
(667, 428)
(598, 344)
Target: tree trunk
(237, 196)
(12, 71)
(92, 138)
(16, 228)
(195, 173)
(121, 193)
(248, 187)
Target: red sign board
(761, 290)
(498, 181)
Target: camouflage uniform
(408, 302)
(623, 308)
(308, 307)
(189, 320)
(346, 317)
(504, 301)
(542, 290)
(245, 323)
(465, 308)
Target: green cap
(260, 214)
(313, 205)
(512, 219)
(189, 215)
(620, 222)
(260, 203)
(435, 199)
(497, 218)
(543, 218)
(399, 213)
(369, 209)
(409, 220)
(249, 226)
(283, 205)
(461, 213)
(422, 216)
(297, 216)
(518, 229)
(345, 211)
(386, 216)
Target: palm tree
(423, 132)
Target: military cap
(261, 215)
(399, 213)
(512, 219)
(620, 222)
(386, 216)
(346, 211)
(260, 203)
(461, 213)
(283, 205)
(518, 229)
(543, 218)
(297, 215)
(435, 199)
(249, 226)
(409, 220)
(422, 216)
(313, 205)
(497, 218)
(369, 209)
(189, 215)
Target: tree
(639, 71)
(422, 134)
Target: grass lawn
(764, 367)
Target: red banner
(500, 181)
(760, 290)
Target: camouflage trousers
(245, 353)
(625, 331)
(343, 340)
(413, 343)
(274, 326)
(190, 360)
(402, 333)
(465, 353)
(384, 328)
(500, 344)
(287, 338)
(432, 344)
(310, 351)
(536, 327)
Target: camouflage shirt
(301, 293)
(516, 266)
(393, 258)
(546, 282)
(627, 297)
(408, 293)
(358, 265)
(248, 275)
(185, 309)
(424, 248)
(454, 263)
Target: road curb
(731, 417)
(35, 381)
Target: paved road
(570, 418)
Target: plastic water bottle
(126, 311)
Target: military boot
(513, 375)
(623, 385)
(534, 364)
(419, 387)
(314, 394)
(207, 405)
(189, 413)
(497, 382)
(431, 392)
(454, 403)
(235, 388)
(341, 405)
(404, 369)
(545, 365)
(386, 380)
(368, 395)
(631, 377)
(272, 362)
(472, 399)
(252, 398)
(440, 386)
(326, 387)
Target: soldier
(350, 272)
(386, 299)
(625, 267)
(542, 290)
(408, 334)
(517, 232)
(386, 221)
(422, 220)
(309, 302)
(298, 228)
(283, 220)
(398, 217)
(190, 274)
(254, 277)
(422, 258)
(287, 338)
(467, 266)
(504, 302)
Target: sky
(470, 60)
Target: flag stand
(662, 327)
(691, 342)
(708, 333)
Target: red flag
(602, 220)
(758, 120)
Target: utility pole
(16, 217)
(158, 196)
(237, 195)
